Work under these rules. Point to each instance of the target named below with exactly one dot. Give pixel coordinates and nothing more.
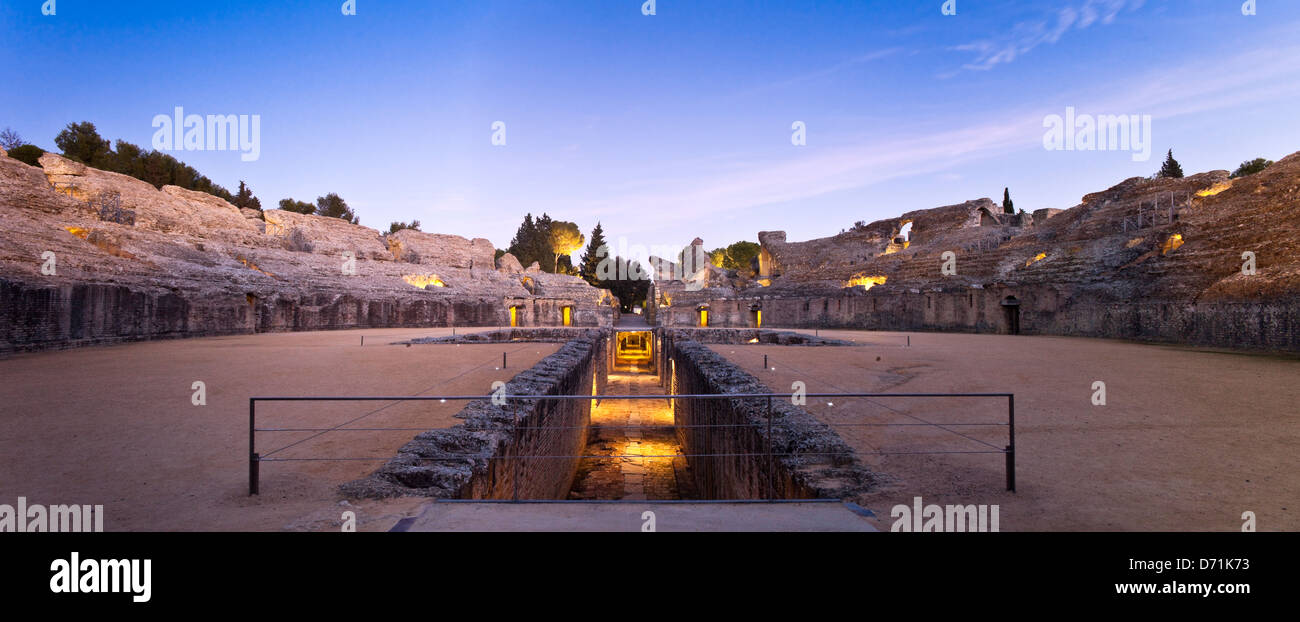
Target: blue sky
(670, 126)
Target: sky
(669, 126)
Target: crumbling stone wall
(745, 336)
(810, 460)
(79, 314)
(1043, 310)
(487, 457)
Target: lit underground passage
(644, 460)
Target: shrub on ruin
(298, 207)
(27, 154)
(1251, 167)
(82, 142)
(394, 227)
(333, 206)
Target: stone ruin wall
(491, 455)
(1043, 310)
(189, 264)
(1148, 259)
(809, 459)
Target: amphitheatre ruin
(134, 335)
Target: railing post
(1011, 442)
(515, 476)
(253, 458)
(771, 464)
(503, 360)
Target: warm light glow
(568, 316)
(704, 317)
(514, 316)
(423, 281)
(1172, 244)
(252, 266)
(1215, 189)
(765, 282)
(758, 316)
(1037, 258)
(754, 340)
(78, 231)
(867, 282)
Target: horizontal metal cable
(622, 456)
(363, 416)
(701, 396)
(643, 426)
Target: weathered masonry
(532, 448)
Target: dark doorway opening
(1011, 309)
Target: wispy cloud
(1027, 35)
(1273, 74)
(820, 73)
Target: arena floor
(1188, 439)
(116, 425)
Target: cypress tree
(590, 261)
(1171, 168)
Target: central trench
(645, 460)
(611, 449)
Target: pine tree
(522, 244)
(541, 243)
(1171, 168)
(590, 261)
(1007, 206)
(245, 199)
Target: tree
(245, 199)
(1251, 167)
(27, 154)
(532, 242)
(741, 256)
(10, 140)
(524, 241)
(1171, 169)
(300, 207)
(333, 206)
(1007, 206)
(592, 256)
(414, 225)
(540, 245)
(718, 257)
(566, 238)
(82, 142)
(632, 288)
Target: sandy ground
(1188, 439)
(116, 426)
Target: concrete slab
(716, 516)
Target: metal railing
(255, 459)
